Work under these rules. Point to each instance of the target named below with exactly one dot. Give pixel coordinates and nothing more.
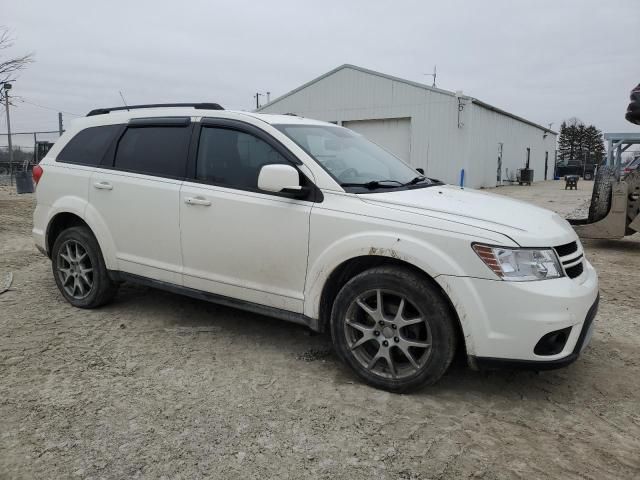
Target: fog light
(553, 342)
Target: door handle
(197, 201)
(103, 186)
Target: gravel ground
(160, 386)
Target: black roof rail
(199, 106)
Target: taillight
(37, 173)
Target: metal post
(6, 98)
(60, 123)
(499, 172)
(546, 164)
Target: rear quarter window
(89, 146)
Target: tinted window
(158, 151)
(233, 158)
(89, 145)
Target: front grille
(575, 271)
(567, 249)
(571, 257)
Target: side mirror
(420, 170)
(280, 178)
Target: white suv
(312, 223)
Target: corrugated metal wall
(488, 129)
(437, 144)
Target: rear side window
(89, 145)
(160, 151)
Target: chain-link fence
(28, 149)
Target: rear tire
(79, 269)
(394, 329)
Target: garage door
(393, 134)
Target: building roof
(413, 84)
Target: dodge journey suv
(312, 223)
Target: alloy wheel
(75, 269)
(388, 334)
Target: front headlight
(520, 264)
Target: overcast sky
(543, 60)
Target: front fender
(425, 256)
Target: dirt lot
(160, 386)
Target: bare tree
(10, 66)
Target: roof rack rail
(199, 106)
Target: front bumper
(583, 340)
(503, 321)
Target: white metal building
(440, 131)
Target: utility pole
(7, 87)
(257, 97)
(60, 129)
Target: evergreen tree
(579, 143)
(564, 143)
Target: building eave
(482, 104)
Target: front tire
(394, 329)
(79, 269)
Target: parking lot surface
(156, 385)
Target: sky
(543, 60)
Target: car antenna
(123, 100)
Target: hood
(524, 223)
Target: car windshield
(356, 163)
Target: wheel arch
(58, 224)
(351, 267)
(65, 218)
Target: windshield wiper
(418, 179)
(373, 184)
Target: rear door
(136, 194)
(238, 241)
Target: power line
(48, 108)
(29, 133)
